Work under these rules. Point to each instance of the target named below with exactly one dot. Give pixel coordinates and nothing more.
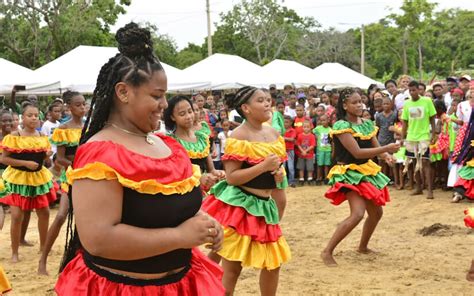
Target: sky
(186, 22)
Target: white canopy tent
(78, 70)
(223, 71)
(13, 74)
(335, 75)
(283, 72)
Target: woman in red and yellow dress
(135, 195)
(242, 203)
(29, 183)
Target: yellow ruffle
(369, 168)
(26, 142)
(65, 187)
(470, 163)
(70, 135)
(250, 253)
(355, 134)
(4, 284)
(2, 185)
(101, 171)
(202, 154)
(255, 150)
(19, 177)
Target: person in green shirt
(418, 128)
(323, 150)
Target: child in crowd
(300, 119)
(305, 144)
(323, 151)
(222, 137)
(399, 156)
(384, 120)
(290, 138)
(366, 114)
(439, 151)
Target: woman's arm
(348, 141)
(98, 214)
(237, 176)
(7, 160)
(61, 157)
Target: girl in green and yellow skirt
(242, 203)
(66, 137)
(29, 183)
(355, 177)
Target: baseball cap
(467, 77)
(301, 96)
(453, 79)
(272, 86)
(437, 83)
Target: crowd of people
(149, 179)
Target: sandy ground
(407, 263)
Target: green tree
(190, 55)
(35, 32)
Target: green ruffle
(278, 122)
(284, 184)
(199, 146)
(355, 177)
(63, 178)
(365, 128)
(205, 129)
(467, 172)
(3, 193)
(234, 196)
(64, 143)
(436, 157)
(27, 190)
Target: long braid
(134, 65)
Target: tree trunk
(404, 48)
(420, 61)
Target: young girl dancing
(135, 195)
(29, 183)
(66, 138)
(355, 177)
(242, 203)
(179, 118)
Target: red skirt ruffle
(468, 185)
(203, 278)
(239, 219)
(30, 203)
(337, 193)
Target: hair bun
(134, 41)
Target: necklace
(258, 131)
(147, 136)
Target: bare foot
(367, 251)
(400, 187)
(25, 243)
(328, 259)
(15, 258)
(417, 192)
(42, 269)
(430, 195)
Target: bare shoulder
(240, 133)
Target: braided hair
(343, 96)
(134, 64)
(241, 97)
(68, 95)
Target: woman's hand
(208, 180)
(271, 163)
(392, 147)
(31, 165)
(216, 245)
(200, 229)
(219, 174)
(279, 175)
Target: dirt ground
(415, 255)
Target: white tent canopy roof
(13, 74)
(283, 72)
(223, 71)
(78, 70)
(334, 75)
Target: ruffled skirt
(465, 183)
(4, 284)
(202, 278)
(365, 179)
(28, 190)
(252, 235)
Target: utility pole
(362, 50)
(209, 36)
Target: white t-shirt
(222, 138)
(290, 112)
(234, 116)
(464, 111)
(48, 129)
(400, 99)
